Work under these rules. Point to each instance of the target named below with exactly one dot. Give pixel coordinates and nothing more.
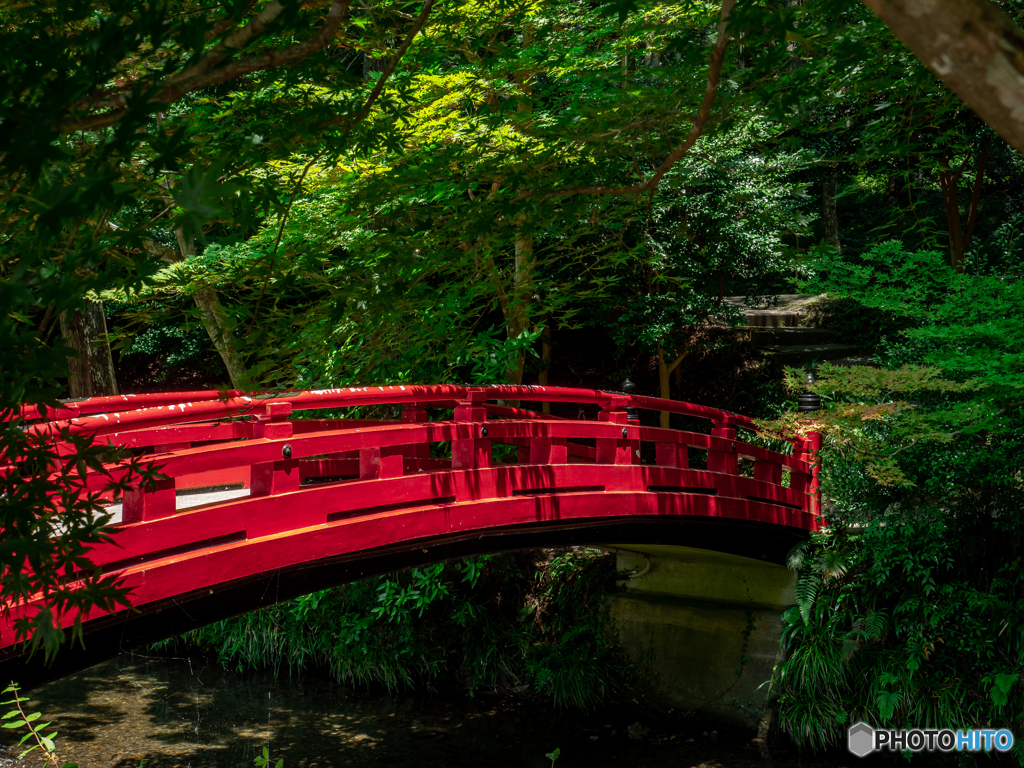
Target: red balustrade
(329, 488)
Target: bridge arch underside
(176, 589)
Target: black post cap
(629, 388)
(808, 401)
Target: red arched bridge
(334, 499)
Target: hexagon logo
(860, 739)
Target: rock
(637, 731)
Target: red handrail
(205, 408)
(69, 409)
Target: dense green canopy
(323, 193)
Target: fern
(1000, 690)
(797, 556)
(887, 702)
(807, 588)
(876, 624)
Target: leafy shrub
(493, 621)
(911, 601)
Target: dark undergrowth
(529, 621)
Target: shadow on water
(191, 713)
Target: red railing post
(272, 478)
(378, 463)
(724, 461)
(549, 450)
(473, 452)
(808, 402)
(274, 424)
(807, 482)
(617, 450)
(768, 471)
(416, 414)
(151, 503)
(633, 420)
(672, 455)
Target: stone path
(775, 330)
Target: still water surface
(191, 713)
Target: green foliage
(463, 214)
(717, 225)
(911, 601)
(262, 760)
(486, 622)
(48, 518)
(18, 718)
(963, 324)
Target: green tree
(910, 602)
(98, 159)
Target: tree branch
(233, 43)
(974, 47)
(675, 363)
(378, 88)
(181, 85)
(699, 123)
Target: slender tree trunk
(892, 189)
(215, 321)
(665, 369)
(947, 183)
(92, 369)
(979, 176)
(828, 207)
(519, 304)
(948, 179)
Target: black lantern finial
(808, 401)
(629, 388)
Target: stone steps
(786, 336)
(773, 323)
(784, 311)
(801, 354)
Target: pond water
(190, 713)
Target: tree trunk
(974, 47)
(664, 376)
(371, 65)
(522, 280)
(215, 321)
(959, 239)
(519, 303)
(92, 369)
(828, 207)
(979, 176)
(947, 183)
(893, 185)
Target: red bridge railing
(319, 487)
